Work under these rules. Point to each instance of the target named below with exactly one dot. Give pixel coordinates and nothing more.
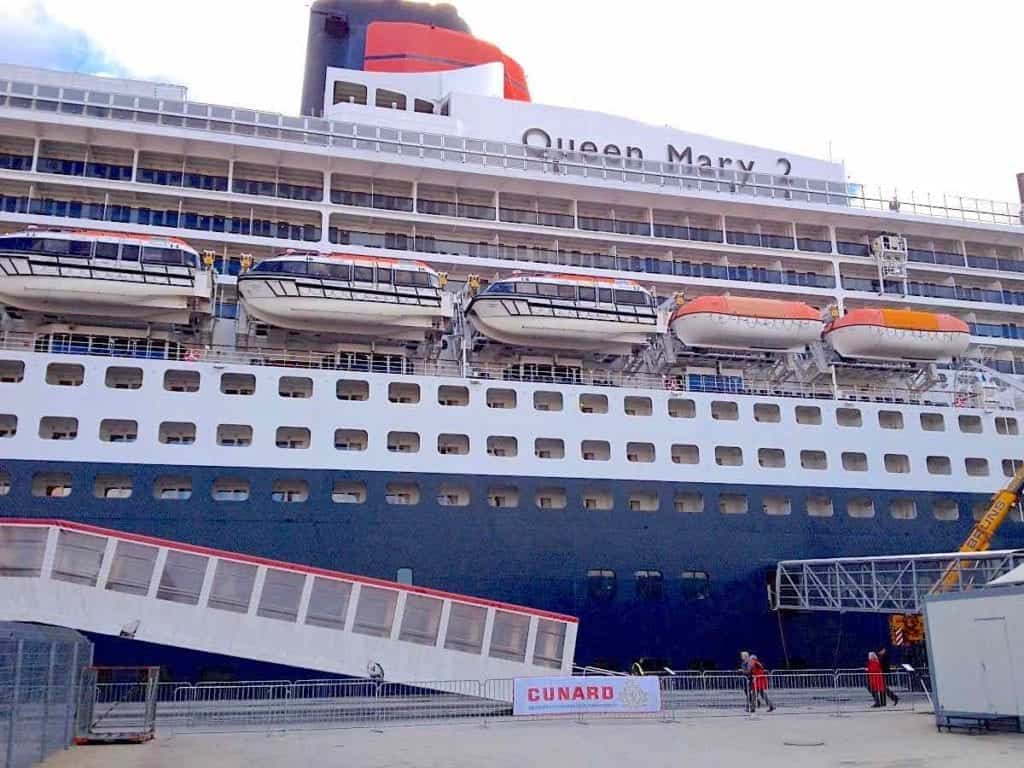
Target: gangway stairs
(888, 584)
(113, 583)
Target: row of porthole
(499, 446)
(405, 393)
(402, 493)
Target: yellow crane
(909, 626)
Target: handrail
(412, 145)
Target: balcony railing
(415, 145)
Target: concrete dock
(886, 739)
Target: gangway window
(643, 501)
(547, 401)
(124, 378)
(728, 456)
(402, 494)
(682, 409)
(465, 628)
(688, 503)
(724, 410)
(813, 460)
(403, 442)
(1007, 425)
(12, 371)
(21, 551)
(819, 506)
(854, 461)
(1010, 466)
(290, 491)
(897, 463)
(601, 584)
(454, 397)
(403, 393)
(452, 496)
(349, 93)
(354, 390)
(420, 620)
(976, 467)
(508, 638)
(502, 446)
(595, 450)
(351, 439)
(238, 384)
(328, 603)
(348, 492)
(549, 448)
(234, 435)
(281, 593)
(809, 415)
(177, 433)
(600, 499)
(453, 445)
(890, 420)
(939, 465)
(8, 425)
(933, 422)
(176, 488)
(849, 417)
(903, 509)
(549, 647)
(51, 485)
(642, 453)
(65, 374)
(132, 568)
(767, 413)
(181, 381)
(297, 438)
(295, 387)
(230, 489)
(638, 406)
(777, 505)
(232, 586)
(970, 425)
(112, 487)
(771, 458)
(375, 611)
(119, 431)
(502, 399)
(649, 585)
(503, 497)
(550, 498)
(695, 585)
(182, 578)
(733, 503)
(946, 509)
(58, 428)
(591, 403)
(685, 454)
(861, 507)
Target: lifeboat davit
(90, 273)
(346, 295)
(567, 312)
(733, 322)
(898, 334)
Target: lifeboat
(566, 312)
(103, 274)
(732, 322)
(347, 295)
(898, 334)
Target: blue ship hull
(539, 557)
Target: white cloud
(912, 93)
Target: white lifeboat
(898, 334)
(346, 294)
(107, 274)
(733, 322)
(567, 312)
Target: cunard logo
(633, 696)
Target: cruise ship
(430, 331)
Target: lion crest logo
(633, 695)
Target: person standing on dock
(759, 678)
(876, 680)
(883, 660)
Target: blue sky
(916, 94)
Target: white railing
(495, 372)
(316, 132)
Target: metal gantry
(889, 584)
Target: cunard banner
(572, 695)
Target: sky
(912, 94)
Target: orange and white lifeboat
(569, 312)
(733, 322)
(898, 334)
(346, 294)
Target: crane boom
(981, 534)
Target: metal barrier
(117, 704)
(40, 669)
(325, 704)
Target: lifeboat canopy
(346, 294)
(898, 334)
(571, 312)
(754, 324)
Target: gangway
(113, 583)
(887, 584)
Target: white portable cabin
(976, 654)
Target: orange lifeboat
(898, 334)
(732, 322)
